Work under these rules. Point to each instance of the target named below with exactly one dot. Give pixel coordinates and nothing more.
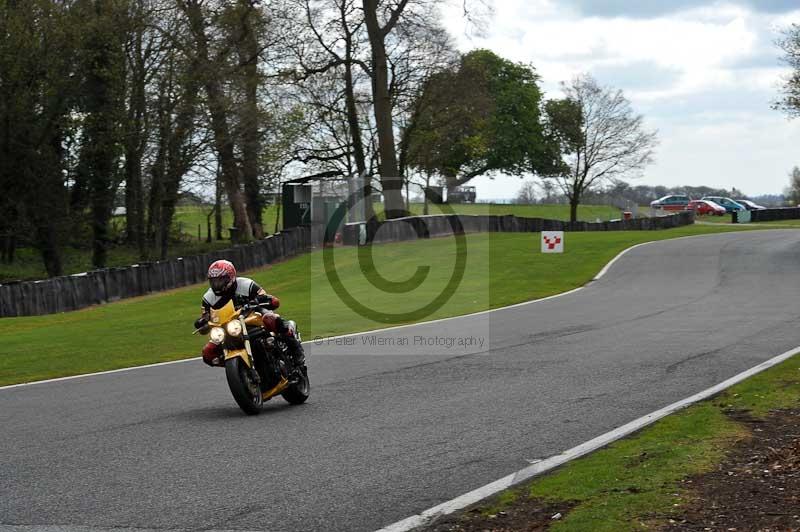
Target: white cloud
(704, 77)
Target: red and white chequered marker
(552, 242)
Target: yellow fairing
(224, 315)
(253, 320)
(241, 353)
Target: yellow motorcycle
(257, 361)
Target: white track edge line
(602, 272)
(474, 496)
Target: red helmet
(221, 276)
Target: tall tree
(102, 95)
(144, 51)
(482, 116)
(246, 32)
(601, 137)
(38, 82)
(207, 71)
(379, 26)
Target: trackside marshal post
(552, 241)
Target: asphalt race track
(394, 429)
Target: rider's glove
(201, 323)
(271, 302)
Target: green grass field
(501, 269)
(190, 217)
(587, 213)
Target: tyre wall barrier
(774, 215)
(72, 292)
(416, 227)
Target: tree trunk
(355, 133)
(178, 158)
(382, 105)
(99, 150)
(11, 248)
(218, 205)
(134, 148)
(158, 171)
(47, 242)
(249, 120)
(425, 193)
(134, 201)
(223, 141)
(278, 216)
(48, 215)
(574, 200)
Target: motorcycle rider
(226, 286)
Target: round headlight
(217, 335)
(234, 328)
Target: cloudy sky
(703, 73)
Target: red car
(706, 207)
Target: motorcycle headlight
(217, 335)
(234, 328)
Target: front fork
(249, 349)
(247, 346)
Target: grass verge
(501, 269)
(635, 483)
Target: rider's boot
(293, 342)
(296, 349)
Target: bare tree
(331, 73)
(792, 192)
(601, 137)
(527, 193)
(789, 42)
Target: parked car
(706, 207)
(729, 204)
(671, 203)
(749, 205)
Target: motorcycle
(258, 364)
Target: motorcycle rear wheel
(244, 389)
(298, 392)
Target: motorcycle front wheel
(298, 392)
(244, 388)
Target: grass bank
(500, 269)
(189, 218)
(636, 483)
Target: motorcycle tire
(298, 392)
(245, 391)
